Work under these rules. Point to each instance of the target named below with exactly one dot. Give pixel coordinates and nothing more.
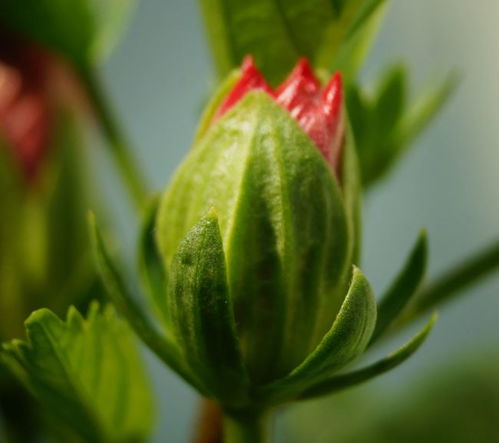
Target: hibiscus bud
(25, 116)
(267, 169)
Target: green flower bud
(249, 259)
(286, 221)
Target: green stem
(246, 427)
(458, 278)
(117, 142)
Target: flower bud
(276, 170)
(25, 117)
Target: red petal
(251, 79)
(24, 108)
(300, 92)
(332, 105)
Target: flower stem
(117, 142)
(245, 427)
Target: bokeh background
(161, 74)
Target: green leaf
(40, 220)
(202, 314)
(453, 282)
(127, 306)
(429, 103)
(385, 124)
(364, 15)
(346, 340)
(343, 381)
(87, 372)
(278, 32)
(153, 271)
(82, 30)
(69, 272)
(11, 195)
(403, 288)
(284, 228)
(391, 99)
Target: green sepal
(284, 227)
(151, 267)
(403, 288)
(202, 315)
(351, 185)
(117, 292)
(346, 340)
(87, 373)
(343, 381)
(82, 30)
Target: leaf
(128, 307)
(202, 314)
(69, 272)
(384, 123)
(346, 340)
(87, 372)
(403, 288)
(278, 32)
(153, 271)
(365, 13)
(82, 30)
(11, 194)
(343, 381)
(427, 106)
(391, 99)
(453, 282)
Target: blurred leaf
(391, 99)
(452, 282)
(11, 191)
(82, 30)
(166, 350)
(366, 11)
(426, 107)
(346, 340)
(202, 313)
(86, 372)
(343, 381)
(457, 401)
(153, 271)
(385, 124)
(403, 288)
(277, 33)
(47, 261)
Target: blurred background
(159, 78)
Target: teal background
(161, 73)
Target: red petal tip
(248, 63)
(332, 95)
(251, 79)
